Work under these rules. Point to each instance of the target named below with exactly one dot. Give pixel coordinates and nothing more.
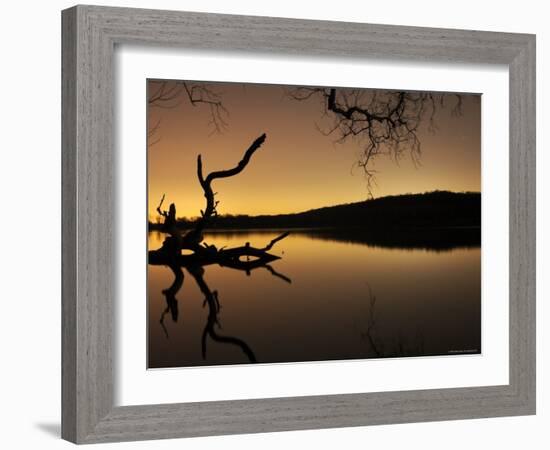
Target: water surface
(329, 297)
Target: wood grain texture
(90, 34)
(68, 225)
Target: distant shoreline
(435, 239)
(266, 230)
(437, 210)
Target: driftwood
(202, 253)
(245, 257)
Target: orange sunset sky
(297, 168)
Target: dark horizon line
(438, 220)
(321, 208)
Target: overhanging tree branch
(166, 94)
(381, 122)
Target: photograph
(290, 224)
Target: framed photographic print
(323, 257)
(277, 224)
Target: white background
(135, 386)
(30, 225)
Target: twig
(274, 241)
(162, 213)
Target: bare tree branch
(274, 241)
(170, 252)
(162, 213)
(151, 132)
(381, 122)
(170, 94)
(206, 183)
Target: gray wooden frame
(89, 37)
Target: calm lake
(329, 297)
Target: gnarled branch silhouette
(168, 94)
(245, 258)
(203, 253)
(206, 183)
(381, 122)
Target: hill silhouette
(437, 209)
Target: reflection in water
(170, 296)
(398, 347)
(347, 300)
(432, 239)
(211, 299)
